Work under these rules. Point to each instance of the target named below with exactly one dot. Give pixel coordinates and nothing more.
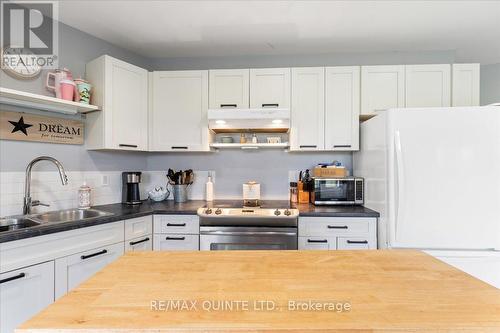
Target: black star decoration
(20, 126)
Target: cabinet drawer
(74, 269)
(317, 243)
(144, 243)
(138, 227)
(334, 226)
(353, 243)
(30, 251)
(176, 242)
(24, 293)
(176, 224)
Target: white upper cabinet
(270, 87)
(229, 88)
(465, 85)
(382, 87)
(178, 115)
(342, 108)
(121, 89)
(428, 85)
(308, 108)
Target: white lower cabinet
(337, 233)
(72, 270)
(176, 232)
(25, 292)
(176, 242)
(144, 243)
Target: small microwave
(338, 191)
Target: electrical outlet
(105, 180)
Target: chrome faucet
(28, 203)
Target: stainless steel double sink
(58, 216)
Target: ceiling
(230, 28)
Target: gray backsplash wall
(269, 167)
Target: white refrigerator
(434, 176)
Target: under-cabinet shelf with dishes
(250, 140)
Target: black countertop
(122, 212)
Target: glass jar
(84, 196)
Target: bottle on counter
(243, 139)
(293, 192)
(209, 189)
(84, 196)
(254, 138)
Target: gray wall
(490, 84)
(233, 167)
(76, 48)
(332, 59)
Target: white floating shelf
(41, 102)
(249, 145)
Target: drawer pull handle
(228, 105)
(357, 242)
(139, 241)
(176, 224)
(308, 146)
(317, 240)
(175, 238)
(338, 227)
(341, 146)
(124, 145)
(179, 147)
(270, 105)
(12, 278)
(94, 254)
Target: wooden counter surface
(388, 291)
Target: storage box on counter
(331, 172)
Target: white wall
(490, 84)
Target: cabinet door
(382, 87)
(176, 242)
(317, 243)
(144, 243)
(24, 293)
(229, 88)
(74, 269)
(178, 118)
(308, 109)
(465, 85)
(428, 86)
(270, 87)
(138, 227)
(342, 108)
(126, 105)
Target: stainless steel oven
(338, 191)
(247, 238)
(248, 228)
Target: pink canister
(67, 89)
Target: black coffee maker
(130, 187)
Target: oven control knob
(208, 211)
(218, 211)
(287, 212)
(277, 212)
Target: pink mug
(67, 89)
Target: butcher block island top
(283, 291)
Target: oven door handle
(247, 233)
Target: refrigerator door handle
(400, 186)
